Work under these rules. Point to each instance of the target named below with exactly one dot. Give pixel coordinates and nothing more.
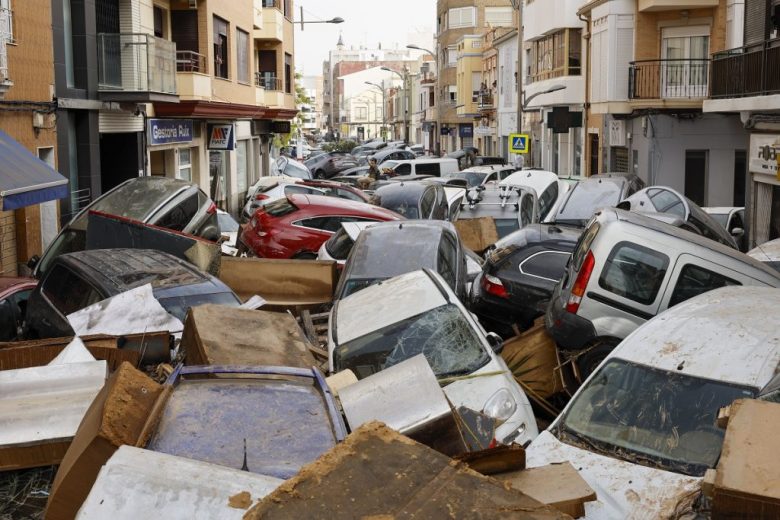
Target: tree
(297, 123)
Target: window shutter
(498, 16)
(756, 21)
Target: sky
(366, 23)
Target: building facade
(27, 116)
(457, 19)
(746, 84)
(649, 74)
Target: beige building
(459, 21)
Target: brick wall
(648, 32)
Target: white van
(423, 166)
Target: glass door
(685, 63)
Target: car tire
(588, 361)
(305, 255)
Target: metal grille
(107, 16)
(619, 159)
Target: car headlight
(501, 405)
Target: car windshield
(651, 417)
(584, 199)
(442, 335)
(721, 218)
(472, 178)
(227, 224)
(179, 305)
(358, 284)
(505, 226)
(405, 209)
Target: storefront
(764, 204)
(173, 148)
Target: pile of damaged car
(491, 342)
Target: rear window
(177, 217)
(583, 244)
(695, 280)
(584, 199)
(634, 272)
(179, 305)
(68, 292)
(280, 208)
(549, 265)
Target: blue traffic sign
(518, 143)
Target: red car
(296, 226)
(14, 293)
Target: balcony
(269, 20)
(675, 5)
(747, 71)
(485, 101)
(136, 68)
(669, 83)
(192, 77)
(270, 89)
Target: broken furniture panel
(267, 420)
(532, 358)
(136, 483)
(557, 485)
(220, 335)
(748, 472)
(123, 413)
(377, 472)
(41, 407)
(477, 233)
(282, 283)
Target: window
(549, 265)
(181, 214)
(462, 17)
(426, 203)
(242, 55)
(548, 198)
(453, 90)
(556, 55)
(6, 21)
(428, 169)
(498, 17)
(242, 167)
(67, 27)
(634, 272)
(695, 280)
(361, 113)
(526, 210)
(159, 22)
(288, 73)
(476, 86)
(403, 169)
(447, 259)
(220, 48)
(185, 164)
(69, 292)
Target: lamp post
(553, 88)
(337, 19)
(384, 108)
(406, 103)
(436, 100)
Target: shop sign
(168, 131)
(221, 136)
(466, 130)
(281, 127)
(483, 130)
(765, 154)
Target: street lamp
(384, 108)
(436, 99)
(554, 88)
(337, 19)
(518, 5)
(406, 103)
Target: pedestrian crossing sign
(519, 143)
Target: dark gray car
(597, 191)
(78, 280)
(330, 164)
(390, 249)
(170, 203)
(413, 200)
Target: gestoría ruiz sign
(169, 131)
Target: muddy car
(642, 429)
(422, 315)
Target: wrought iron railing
(753, 70)
(268, 81)
(189, 61)
(134, 62)
(271, 3)
(485, 100)
(668, 79)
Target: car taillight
(255, 223)
(493, 285)
(581, 283)
(212, 209)
(262, 196)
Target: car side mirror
(737, 232)
(33, 262)
(496, 343)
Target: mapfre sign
(221, 136)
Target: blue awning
(24, 179)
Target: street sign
(519, 143)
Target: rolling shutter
(756, 21)
(184, 30)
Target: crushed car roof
(696, 336)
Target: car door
(528, 207)
(693, 275)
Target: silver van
(625, 269)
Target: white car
(642, 428)
(768, 252)
(550, 190)
(419, 314)
(480, 175)
(338, 246)
(733, 219)
(228, 228)
(269, 189)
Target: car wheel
(305, 255)
(590, 359)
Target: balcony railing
(668, 79)
(748, 71)
(271, 3)
(485, 100)
(135, 63)
(189, 61)
(268, 81)
(6, 36)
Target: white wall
(611, 50)
(506, 120)
(735, 20)
(545, 16)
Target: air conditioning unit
(193, 4)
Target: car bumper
(569, 331)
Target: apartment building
(461, 24)
(423, 123)
(311, 112)
(746, 84)
(649, 74)
(505, 92)
(191, 89)
(486, 127)
(29, 185)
